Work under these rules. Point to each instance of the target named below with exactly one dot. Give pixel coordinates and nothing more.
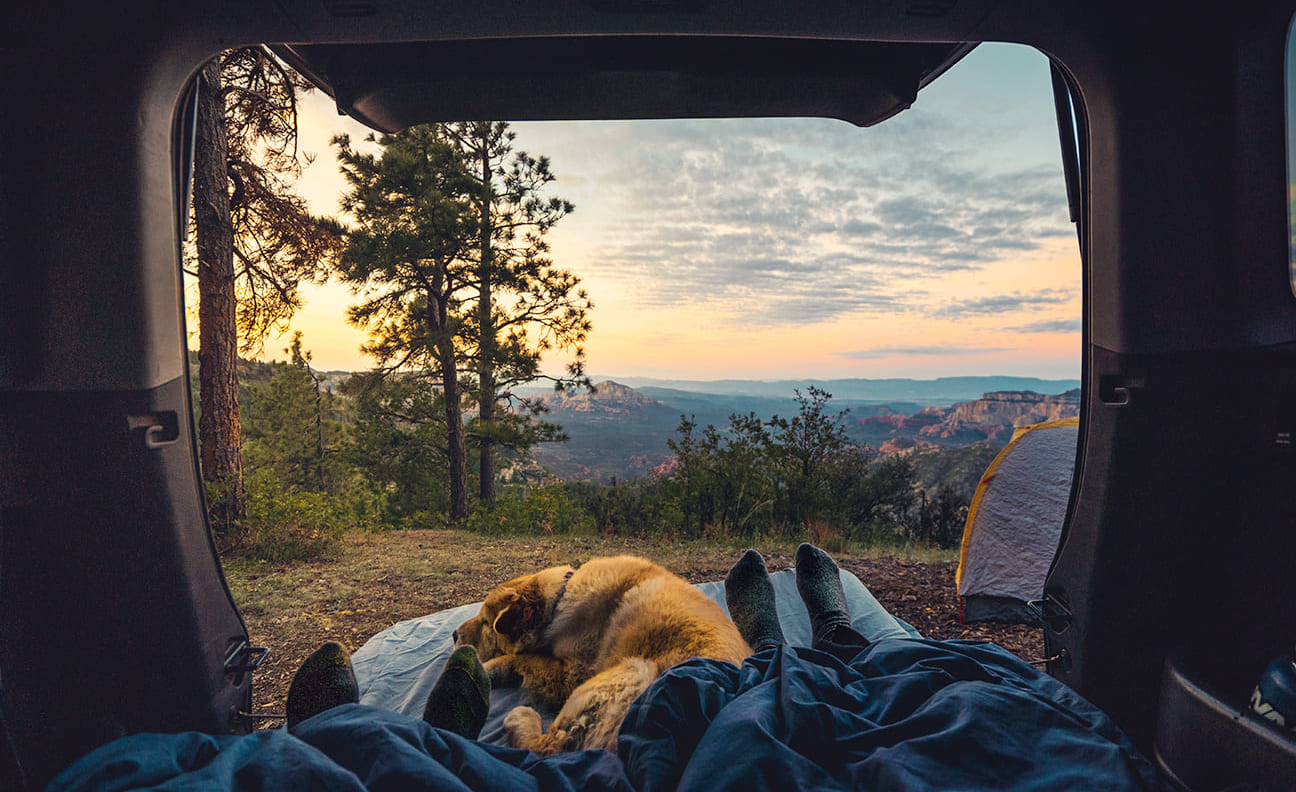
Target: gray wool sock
(750, 597)
(818, 582)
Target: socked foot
(750, 597)
(818, 582)
(324, 681)
(460, 698)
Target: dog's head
(515, 614)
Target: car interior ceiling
(1172, 588)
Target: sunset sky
(934, 244)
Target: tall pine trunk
(446, 357)
(485, 320)
(218, 427)
(319, 432)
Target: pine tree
(406, 259)
(450, 261)
(525, 305)
(400, 444)
(255, 240)
(291, 426)
(218, 423)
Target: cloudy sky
(934, 244)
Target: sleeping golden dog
(590, 640)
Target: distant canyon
(618, 432)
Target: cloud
(1002, 303)
(1049, 326)
(855, 227)
(706, 226)
(803, 220)
(920, 351)
(908, 211)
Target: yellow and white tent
(1014, 523)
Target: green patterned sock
(750, 597)
(324, 681)
(460, 698)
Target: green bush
(281, 527)
(629, 507)
(542, 510)
(941, 518)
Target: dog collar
(561, 591)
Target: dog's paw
(502, 673)
(523, 727)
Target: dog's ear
(523, 610)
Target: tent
(1014, 523)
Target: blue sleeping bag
(904, 713)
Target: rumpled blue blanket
(907, 714)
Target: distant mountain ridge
(621, 432)
(993, 417)
(608, 397)
(947, 390)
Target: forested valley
(323, 453)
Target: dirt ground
(383, 578)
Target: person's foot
(818, 581)
(460, 698)
(324, 681)
(750, 597)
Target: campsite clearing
(382, 578)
